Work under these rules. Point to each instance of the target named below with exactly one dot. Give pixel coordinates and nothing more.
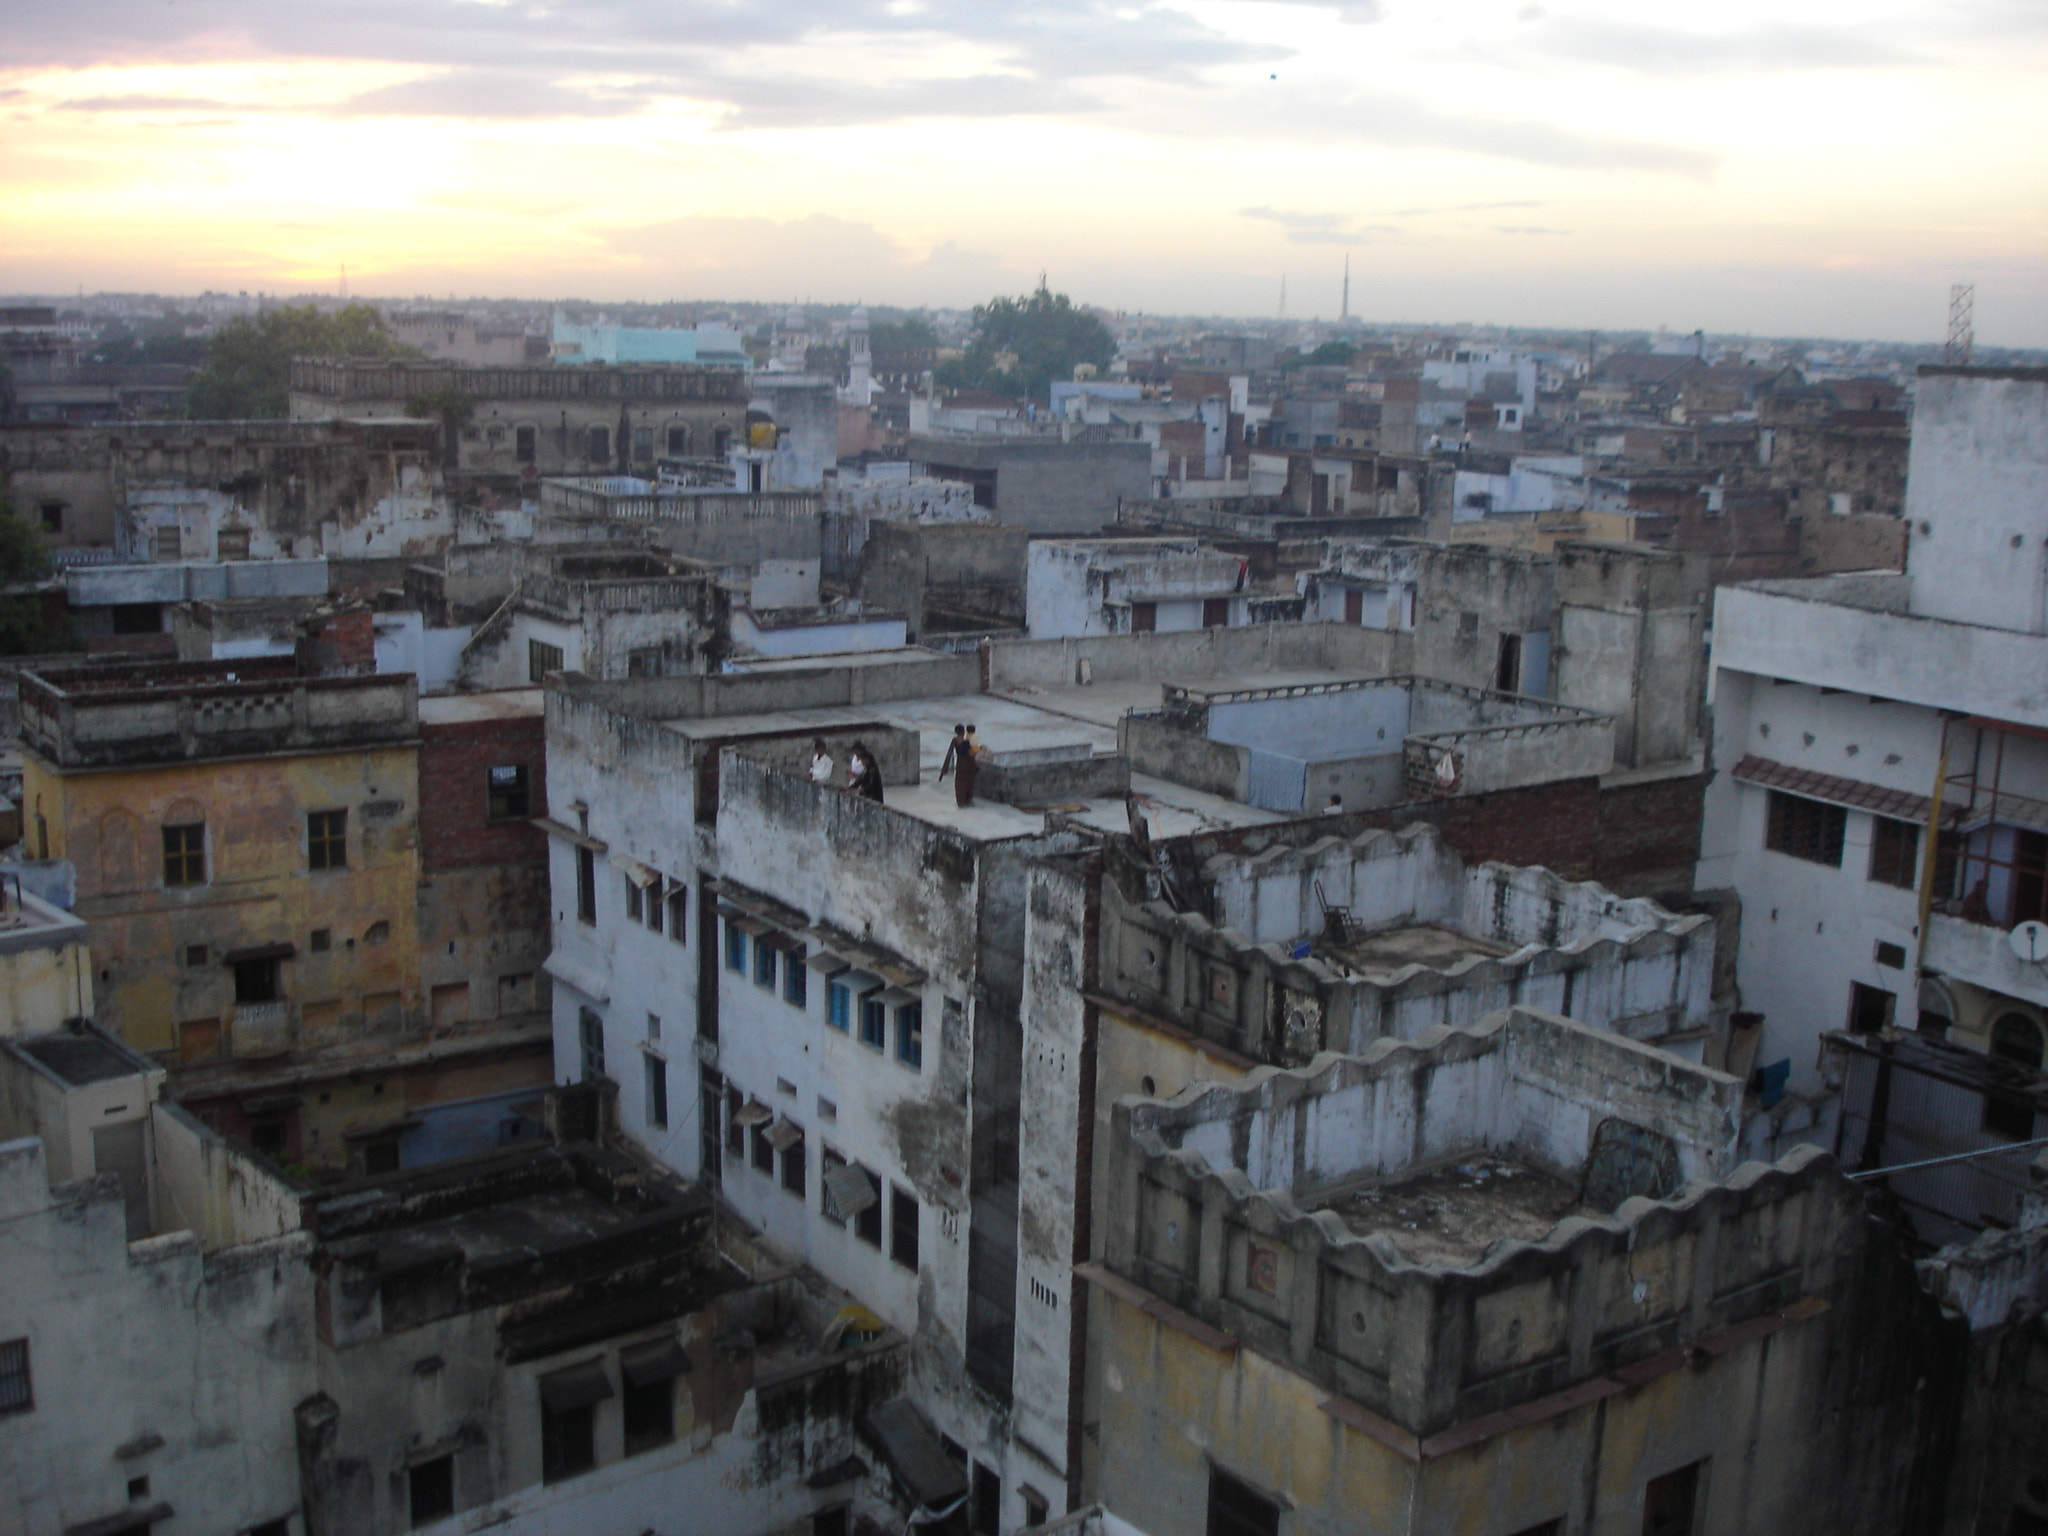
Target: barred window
(327, 840)
(16, 1393)
(185, 854)
(1894, 851)
(1806, 829)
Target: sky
(1802, 167)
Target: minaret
(860, 378)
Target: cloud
(1357, 13)
(1673, 51)
(1385, 118)
(1410, 213)
(153, 104)
(817, 102)
(1320, 228)
(489, 93)
(1527, 229)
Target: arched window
(2015, 1037)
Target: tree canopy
(1021, 346)
(24, 561)
(249, 363)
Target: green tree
(913, 333)
(25, 562)
(1021, 346)
(249, 364)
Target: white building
(1855, 714)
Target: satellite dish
(2030, 941)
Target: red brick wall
(455, 763)
(1636, 839)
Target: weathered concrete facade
(591, 419)
(1417, 1290)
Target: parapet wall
(1213, 1200)
(1015, 664)
(1257, 982)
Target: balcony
(262, 1029)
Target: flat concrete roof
(1380, 955)
(1002, 724)
(1449, 1215)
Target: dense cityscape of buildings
(1484, 967)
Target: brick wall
(455, 763)
(1636, 839)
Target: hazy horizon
(1811, 171)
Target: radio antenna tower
(1962, 299)
(1345, 313)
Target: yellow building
(245, 843)
(1505, 1281)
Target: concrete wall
(1977, 497)
(1625, 966)
(45, 969)
(1048, 486)
(153, 1359)
(1630, 627)
(1205, 653)
(1467, 597)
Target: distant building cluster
(632, 929)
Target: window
(505, 795)
(678, 909)
(1035, 1506)
(678, 441)
(657, 1089)
(793, 1160)
(867, 1222)
(832, 1175)
(839, 1005)
(1144, 618)
(735, 947)
(381, 1156)
(1215, 613)
(643, 444)
(568, 1419)
(796, 980)
(196, 954)
(735, 1132)
(524, 444)
(874, 1022)
(586, 886)
(764, 962)
(431, 1490)
(1806, 829)
(53, 516)
(903, 1226)
(654, 1026)
(1238, 1509)
(1870, 1009)
(256, 981)
(649, 1400)
(600, 442)
(1894, 851)
(185, 854)
(910, 1034)
(232, 544)
(541, 659)
(327, 840)
(590, 1039)
(632, 898)
(17, 1394)
(1671, 1502)
(764, 1149)
(1507, 664)
(653, 908)
(2014, 1038)
(988, 1501)
(169, 543)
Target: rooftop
(1449, 1215)
(80, 1058)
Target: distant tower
(1345, 312)
(1962, 300)
(860, 377)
